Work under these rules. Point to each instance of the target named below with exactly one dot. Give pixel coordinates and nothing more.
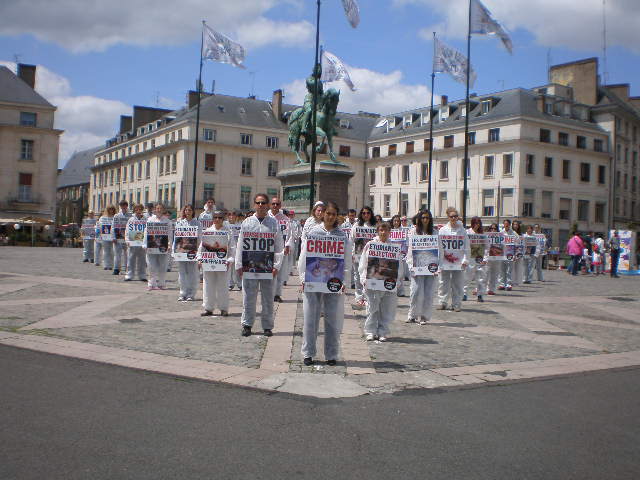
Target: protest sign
(106, 229)
(157, 237)
(135, 232)
(214, 252)
(424, 253)
(530, 246)
(205, 223)
(119, 228)
(519, 247)
(542, 244)
(185, 243)
(452, 251)
(510, 247)
(258, 255)
(88, 229)
(361, 235)
(399, 236)
(383, 261)
(496, 246)
(324, 269)
(479, 244)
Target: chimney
(192, 98)
(28, 74)
(581, 75)
(635, 101)
(444, 100)
(126, 122)
(276, 104)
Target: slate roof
(77, 170)
(15, 90)
(608, 97)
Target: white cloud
(376, 92)
(147, 22)
(87, 121)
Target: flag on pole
(352, 11)
(483, 23)
(333, 69)
(221, 48)
(449, 60)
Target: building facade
(72, 196)
(29, 146)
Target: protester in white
(331, 304)
(598, 255)
(365, 219)
(346, 228)
(97, 243)
(478, 268)
(381, 305)
(209, 208)
(88, 243)
(507, 264)
(422, 286)
(260, 222)
(107, 245)
(157, 262)
(451, 285)
(315, 218)
(296, 233)
(541, 252)
(215, 291)
(285, 230)
(529, 260)
(396, 224)
(136, 261)
(494, 268)
(188, 270)
(517, 272)
(234, 223)
(119, 245)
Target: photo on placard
(323, 269)
(426, 258)
(186, 244)
(496, 250)
(161, 242)
(382, 269)
(257, 262)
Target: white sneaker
(382, 339)
(369, 337)
(423, 322)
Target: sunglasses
(261, 203)
(454, 216)
(218, 218)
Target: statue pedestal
(331, 183)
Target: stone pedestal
(331, 183)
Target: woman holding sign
(478, 260)
(323, 266)
(106, 236)
(185, 248)
(423, 265)
(136, 263)
(361, 232)
(157, 233)
(454, 258)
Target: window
(118, 176)
(137, 148)
(26, 150)
(272, 168)
(488, 166)
(507, 164)
(583, 210)
(405, 174)
(563, 139)
(246, 166)
(245, 198)
(423, 200)
(448, 141)
(545, 135)
(409, 147)
(565, 209)
(345, 151)
(566, 170)
(547, 204)
(527, 204)
(372, 201)
(581, 142)
(506, 207)
(494, 135)
(602, 174)
(618, 179)
(442, 204)
(131, 172)
(626, 181)
(404, 203)
(372, 176)
(488, 203)
(172, 198)
(598, 145)
(28, 119)
(548, 167)
(166, 194)
(209, 134)
(138, 195)
(160, 165)
(599, 212)
(144, 148)
(424, 171)
(180, 134)
(392, 149)
(111, 177)
(146, 195)
(153, 144)
(147, 169)
(375, 152)
(246, 138)
(530, 164)
(427, 144)
(444, 170)
(386, 205)
(387, 175)
(25, 185)
(468, 170)
(472, 138)
(585, 172)
(272, 142)
(111, 198)
(634, 183)
(174, 163)
(139, 170)
(209, 162)
(486, 106)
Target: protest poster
(157, 237)
(479, 243)
(496, 246)
(214, 252)
(452, 251)
(88, 229)
(361, 235)
(347, 229)
(135, 232)
(424, 253)
(185, 243)
(258, 255)
(283, 222)
(542, 244)
(205, 223)
(530, 246)
(382, 266)
(626, 261)
(235, 229)
(119, 228)
(510, 247)
(106, 229)
(324, 269)
(399, 236)
(519, 247)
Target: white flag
(449, 60)
(483, 23)
(221, 48)
(352, 11)
(333, 70)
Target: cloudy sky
(97, 58)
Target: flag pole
(465, 190)
(433, 78)
(195, 154)
(314, 141)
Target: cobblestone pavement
(51, 301)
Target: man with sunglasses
(285, 229)
(259, 254)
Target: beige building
(28, 148)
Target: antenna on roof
(16, 59)
(253, 82)
(605, 73)
(213, 86)
(156, 98)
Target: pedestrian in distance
(136, 261)
(477, 269)
(530, 260)
(188, 270)
(541, 252)
(574, 249)
(97, 244)
(106, 237)
(120, 220)
(517, 271)
(614, 252)
(285, 229)
(158, 255)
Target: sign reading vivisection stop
(452, 251)
(258, 255)
(324, 269)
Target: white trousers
(250, 290)
(107, 254)
(215, 290)
(478, 272)
(505, 273)
(98, 252)
(450, 287)
(87, 249)
(157, 269)
(539, 267)
(530, 265)
(283, 275)
(421, 296)
(517, 271)
(402, 270)
(136, 263)
(120, 252)
(188, 279)
(332, 304)
(359, 288)
(381, 311)
(493, 274)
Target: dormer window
(344, 123)
(486, 106)
(548, 107)
(444, 113)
